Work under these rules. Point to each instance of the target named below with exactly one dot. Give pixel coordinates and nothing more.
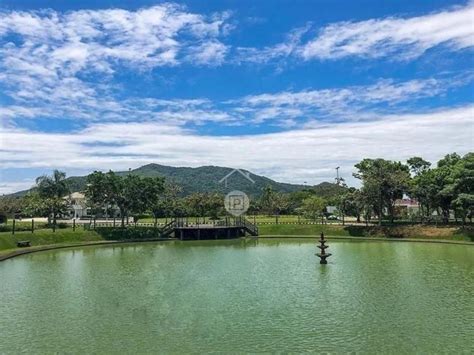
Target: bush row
(110, 233)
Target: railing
(240, 221)
(249, 226)
(182, 222)
(118, 224)
(167, 229)
(225, 222)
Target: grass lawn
(417, 231)
(47, 237)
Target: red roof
(407, 202)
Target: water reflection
(240, 295)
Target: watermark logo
(243, 173)
(236, 202)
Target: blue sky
(288, 89)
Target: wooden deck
(224, 229)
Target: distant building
(77, 205)
(78, 208)
(407, 207)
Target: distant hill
(206, 179)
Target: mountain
(209, 179)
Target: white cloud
(281, 50)
(45, 55)
(72, 98)
(349, 103)
(314, 152)
(395, 37)
(210, 53)
(47, 72)
(95, 39)
(59, 65)
(399, 38)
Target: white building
(407, 206)
(77, 207)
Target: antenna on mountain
(338, 180)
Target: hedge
(110, 233)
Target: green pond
(240, 296)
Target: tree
(443, 180)
(463, 186)
(296, 198)
(313, 207)
(424, 189)
(164, 202)
(11, 206)
(53, 190)
(383, 182)
(131, 194)
(254, 207)
(273, 202)
(34, 205)
(97, 191)
(418, 165)
(266, 199)
(151, 192)
(421, 187)
(464, 205)
(351, 204)
(205, 204)
(179, 208)
(196, 204)
(449, 186)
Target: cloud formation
(48, 60)
(400, 38)
(72, 99)
(284, 49)
(55, 64)
(97, 39)
(313, 152)
(397, 38)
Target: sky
(286, 89)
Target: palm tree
(53, 189)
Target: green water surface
(240, 296)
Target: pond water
(245, 296)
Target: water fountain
(323, 255)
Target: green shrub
(110, 233)
(144, 216)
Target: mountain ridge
(203, 179)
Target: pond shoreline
(12, 253)
(24, 251)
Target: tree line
(441, 190)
